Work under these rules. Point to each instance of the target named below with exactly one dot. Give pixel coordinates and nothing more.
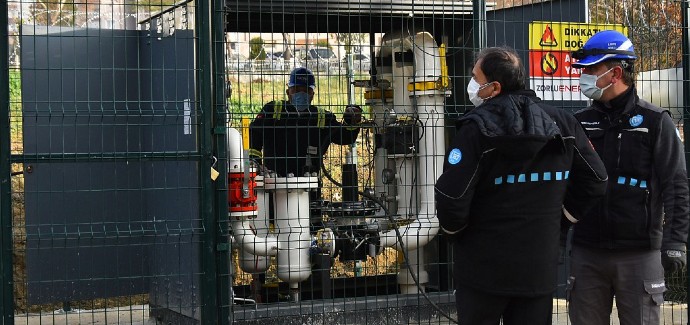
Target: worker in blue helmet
(291, 136)
(640, 228)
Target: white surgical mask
(300, 100)
(473, 89)
(588, 85)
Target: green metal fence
(116, 115)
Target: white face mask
(473, 89)
(588, 85)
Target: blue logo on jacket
(455, 156)
(636, 120)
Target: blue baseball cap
(604, 46)
(302, 77)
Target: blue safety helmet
(302, 77)
(604, 46)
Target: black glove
(352, 115)
(673, 260)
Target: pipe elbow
(246, 237)
(415, 235)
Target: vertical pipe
(479, 24)
(6, 292)
(204, 86)
(223, 256)
(685, 13)
(349, 168)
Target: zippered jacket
(510, 169)
(646, 204)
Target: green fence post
(6, 290)
(223, 254)
(686, 98)
(204, 88)
(479, 24)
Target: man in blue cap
(294, 135)
(641, 227)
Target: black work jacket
(646, 204)
(511, 167)
(285, 135)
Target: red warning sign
(552, 64)
(548, 39)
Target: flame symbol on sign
(549, 64)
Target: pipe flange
(241, 170)
(290, 183)
(242, 215)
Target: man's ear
(497, 89)
(617, 74)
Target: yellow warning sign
(565, 36)
(548, 39)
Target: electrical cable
(400, 242)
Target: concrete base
(392, 309)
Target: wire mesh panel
(272, 161)
(108, 218)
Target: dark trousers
(634, 277)
(476, 307)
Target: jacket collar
(621, 107)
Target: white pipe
(249, 262)
(254, 242)
(235, 152)
(291, 200)
(405, 280)
(429, 108)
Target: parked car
(238, 62)
(320, 59)
(275, 61)
(360, 62)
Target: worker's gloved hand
(673, 260)
(352, 115)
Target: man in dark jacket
(515, 167)
(294, 135)
(643, 220)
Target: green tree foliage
(654, 27)
(256, 48)
(350, 40)
(53, 12)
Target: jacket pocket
(629, 211)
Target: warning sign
(551, 72)
(548, 39)
(564, 36)
(552, 64)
